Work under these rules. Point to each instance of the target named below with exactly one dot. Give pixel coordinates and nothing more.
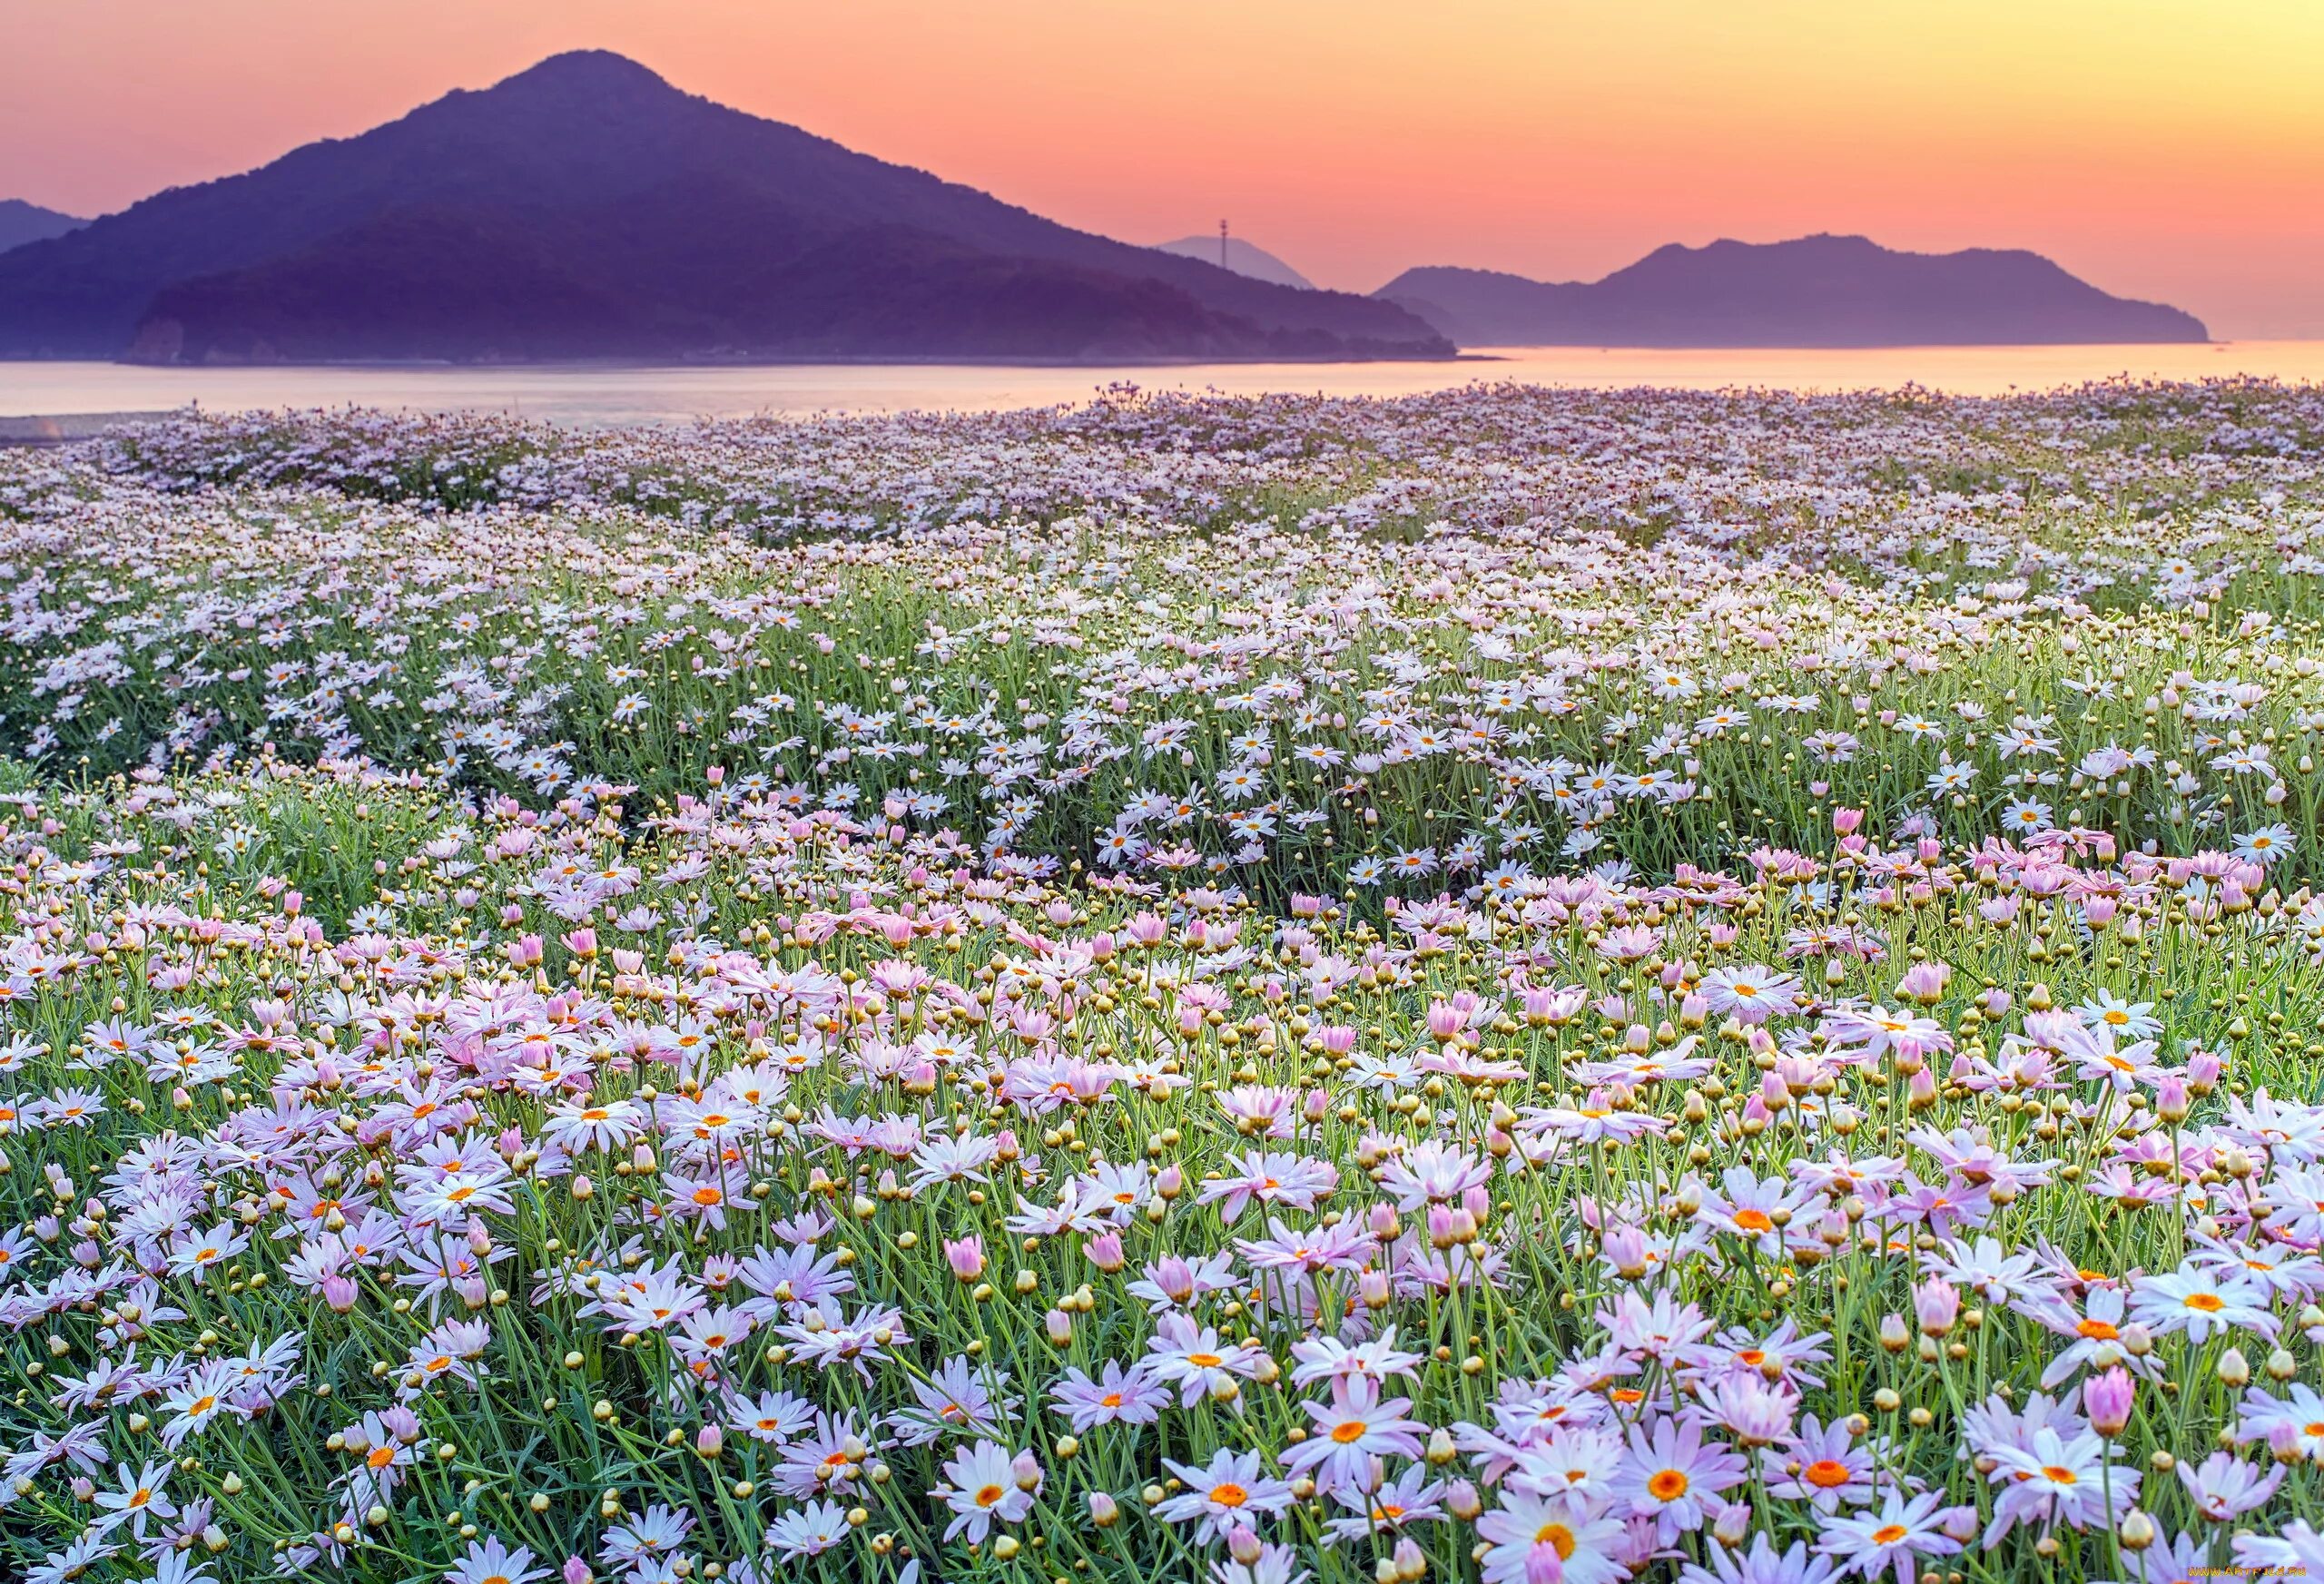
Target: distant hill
(587, 209)
(22, 222)
(1241, 258)
(1815, 292)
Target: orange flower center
(1556, 1537)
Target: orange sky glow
(2165, 150)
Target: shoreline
(1498, 354)
(61, 429)
(603, 394)
(584, 365)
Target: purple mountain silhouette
(1815, 292)
(22, 222)
(585, 208)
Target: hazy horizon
(2161, 156)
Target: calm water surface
(625, 395)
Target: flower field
(1511, 986)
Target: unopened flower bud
(1105, 1251)
(2171, 1101)
(966, 1256)
(1626, 1251)
(2108, 1397)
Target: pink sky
(2163, 151)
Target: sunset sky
(2164, 151)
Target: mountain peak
(22, 222)
(588, 71)
(1242, 258)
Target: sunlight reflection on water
(599, 395)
